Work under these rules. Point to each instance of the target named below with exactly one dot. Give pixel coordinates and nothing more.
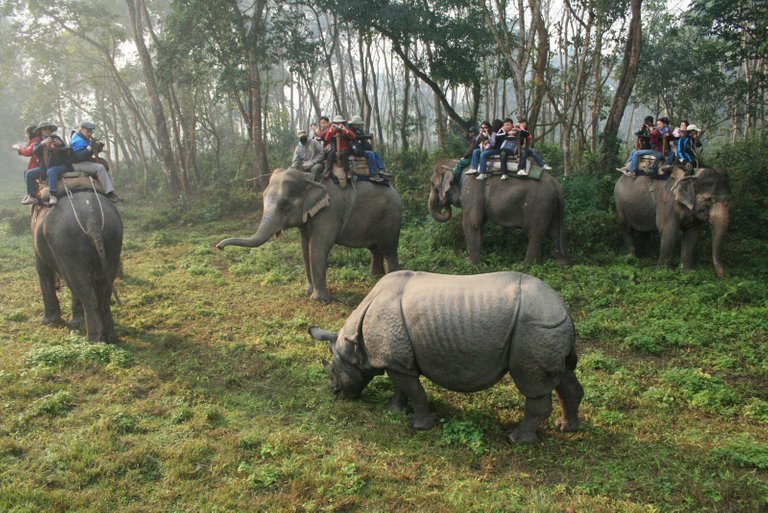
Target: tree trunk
(624, 90)
(162, 137)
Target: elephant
(676, 205)
(536, 206)
(80, 239)
(365, 215)
(463, 333)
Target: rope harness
(74, 210)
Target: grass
(215, 399)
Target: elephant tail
(93, 231)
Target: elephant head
(290, 199)
(439, 194)
(348, 368)
(707, 196)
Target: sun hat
(46, 124)
(356, 120)
(338, 119)
(301, 133)
(693, 128)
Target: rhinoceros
(463, 333)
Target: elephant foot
(522, 435)
(422, 422)
(320, 296)
(75, 323)
(111, 338)
(567, 426)
(53, 321)
(309, 290)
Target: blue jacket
(79, 145)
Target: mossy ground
(215, 400)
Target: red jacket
(29, 152)
(347, 135)
(657, 140)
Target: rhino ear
(323, 335)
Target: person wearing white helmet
(361, 147)
(340, 137)
(686, 148)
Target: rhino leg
(570, 394)
(410, 387)
(537, 409)
(398, 403)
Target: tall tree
(627, 79)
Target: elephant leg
(569, 393)
(52, 309)
(410, 387)
(305, 260)
(537, 409)
(78, 317)
(391, 263)
(555, 235)
(473, 224)
(84, 292)
(318, 265)
(105, 311)
(377, 262)
(668, 242)
(688, 250)
(629, 240)
(533, 253)
(398, 403)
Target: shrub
(747, 161)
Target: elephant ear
(316, 198)
(684, 191)
(445, 183)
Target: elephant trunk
(439, 213)
(718, 221)
(268, 227)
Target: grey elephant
(80, 239)
(363, 215)
(673, 206)
(536, 206)
(464, 333)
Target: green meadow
(215, 399)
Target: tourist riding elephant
(80, 239)
(536, 206)
(675, 205)
(364, 215)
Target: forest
(214, 398)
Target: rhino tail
(572, 359)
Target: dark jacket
(58, 155)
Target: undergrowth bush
(747, 161)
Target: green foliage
(744, 451)
(55, 404)
(463, 433)
(78, 350)
(746, 161)
(700, 389)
